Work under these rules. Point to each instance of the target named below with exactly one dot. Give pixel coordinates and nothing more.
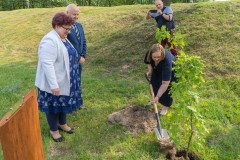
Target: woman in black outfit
(160, 63)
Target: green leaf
(192, 108)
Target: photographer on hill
(164, 16)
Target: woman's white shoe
(164, 110)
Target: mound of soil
(134, 119)
(137, 119)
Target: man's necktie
(77, 32)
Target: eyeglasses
(67, 29)
(158, 5)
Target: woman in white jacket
(57, 77)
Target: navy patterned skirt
(49, 103)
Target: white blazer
(53, 65)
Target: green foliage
(189, 1)
(162, 34)
(188, 71)
(189, 74)
(175, 38)
(19, 4)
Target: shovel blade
(163, 134)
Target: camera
(153, 11)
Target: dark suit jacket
(81, 45)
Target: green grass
(117, 39)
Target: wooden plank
(20, 134)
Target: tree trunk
(98, 2)
(109, 3)
(167, 2)
(89, 2)
(191, 135)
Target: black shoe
(83, 107)
(60, 139)
(71, 131)
(74, 113)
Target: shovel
(161, 133)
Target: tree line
(21, 4)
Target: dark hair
(62, 19)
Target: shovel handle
(156, 112)
(155, 107)
(147, 78)
(153, 96)
(152, 93)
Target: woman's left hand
(155, 100)
(159, 11)
(56, 92)
(82, 60)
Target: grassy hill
(117, 39)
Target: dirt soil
(137, 120)
(134, 119)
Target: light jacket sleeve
(47, 57)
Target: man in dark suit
(77, 37)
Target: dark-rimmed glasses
(67, 29)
